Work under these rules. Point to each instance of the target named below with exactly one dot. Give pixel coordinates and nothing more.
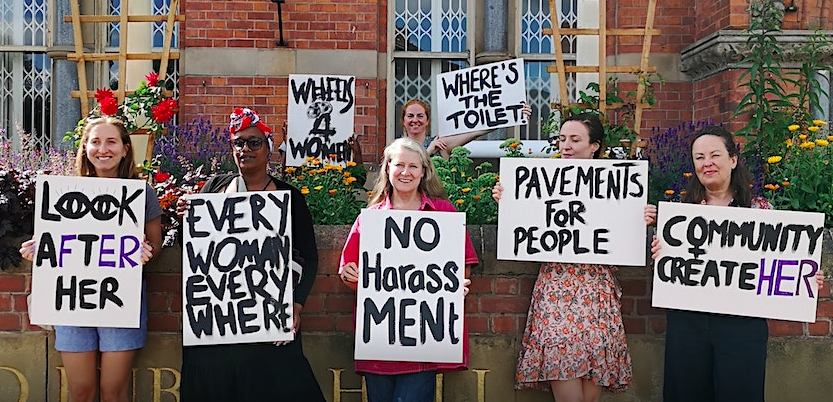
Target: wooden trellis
(84, 93)
(603, 69)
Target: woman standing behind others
(574, 342)
(406, 181)
(257, 372)
(715, 357)
(106, 151)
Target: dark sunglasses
(253, 143)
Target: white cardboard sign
(410, 294)
(484, 97)
(739, 261)
(573, 210)
(320, 115)
(236, 276)
(88, 269)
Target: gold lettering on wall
(337, 390)
(157, 383)
(481, 384)
(22, 382)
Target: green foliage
(614, 132)
(333, 193)
(800, 175)
(468, 187)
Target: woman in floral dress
(574, 342)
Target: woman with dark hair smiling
(574, 342)
(716, 357)
(255, 372)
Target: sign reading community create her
(320, 117)
(739, 261)
(573, 210)
(410, 293)
(236, 275)
(481, 98)
(88, 268)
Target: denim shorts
(88, 339)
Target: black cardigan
(304, 249)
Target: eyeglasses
(253, 143)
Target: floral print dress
(574, 329)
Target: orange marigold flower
(351, 164)
(290, 169)
(459, 201)
(333, 191)
(785, 183)
(687, 174)
(514, 145)
(669, 192)
(477, 197)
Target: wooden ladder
(642, 70)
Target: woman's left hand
(466, 284)
(527, 111)
(650, 214)
(147, 252)
(296, 323)
(820, 279)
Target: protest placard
(236, 276)
(410, 293)
(320, 118)
(88, 269)
(739, 261)
(573, 211)
(484, 97)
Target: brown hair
(739, 182)
(127, 165)
(429, 184)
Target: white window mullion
(17, 95)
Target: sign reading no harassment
(575, 211)
(236, 280)
(740, 261)
(410, 294)
(481, 98)
(88, 269)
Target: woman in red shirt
(406, 181)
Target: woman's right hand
(436, 145)
(350, 274)
(655, 247)
(27, 249)
(497, 192)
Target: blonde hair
(127, 165)
(429, 184)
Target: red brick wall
(716, 97)
(323, 24)
(674, 18)
(497, 304)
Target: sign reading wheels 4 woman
(410, 291)
(88, 269)
(481, 98)
(320, 117)
(236, 275)
(739, 261)
(573, 210)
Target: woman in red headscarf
(255, 372)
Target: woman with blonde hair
(407, 180)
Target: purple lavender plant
(197, 142)
(670, 160)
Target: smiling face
(246, 158)
(712, 162)
(105, 149)
(405, 171)
(574, 141)
(415, 121)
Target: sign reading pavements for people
(573, 211)
(88, 269)
(485, 97)
(410, 293)
(236, 275)
(320, 118)
(739, 261)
